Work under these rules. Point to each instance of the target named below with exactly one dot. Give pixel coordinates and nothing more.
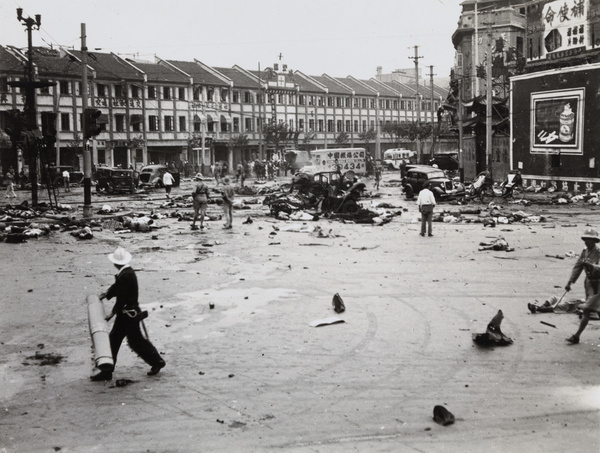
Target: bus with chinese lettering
(342, 159)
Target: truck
(338, 159)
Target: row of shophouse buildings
(169, 111)
(536, 62)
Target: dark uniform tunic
(126, 308)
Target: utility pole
(476, 45)
(431, 74)
(87, 158)
(33, 135)
(488, 107)
(260, 119)
(418, 102)
(461, 158)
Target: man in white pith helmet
(588, 261)
(128, 317)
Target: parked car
(113, 180)
(416, 176)
(152, 175)
(445, 161)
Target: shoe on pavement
(532, 308)
(102, 376)
(156, 368)
(573, 339)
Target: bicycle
(514, 193)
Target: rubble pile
(495, 215)
(591, 198)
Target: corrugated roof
(239, 78)
(333, 86)
(10, 63)
(200, 75)
(404, 90)
(382, 88)
(110, 67)
(161, 73)
(50, 64)
(359, 88)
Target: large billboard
(557, 121)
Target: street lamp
(30, 86)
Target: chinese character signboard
(565, 27)
(557, 121)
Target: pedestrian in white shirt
(426, 203)
(168, 181)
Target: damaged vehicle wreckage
(329, 193)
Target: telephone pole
(87, 158)
(488, 100)
(431, 74)
(418, 102)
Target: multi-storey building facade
(177, 111)
(490, 34)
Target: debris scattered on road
(338, 303)
(548, 324)
(84, 233)
(496, 245)
(443, 416)
(45, 359)
(493, 336)
(123, 382)
(326, 322)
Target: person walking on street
(168, 181)
(66, 180)
(377, 176)
(228, 194)
(128, 317)
(200, 197)
(588, 262)
(240, 174)
(10, 183)
(426, 203)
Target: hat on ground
(198, 177)
(120, 256)
(590, 233)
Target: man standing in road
(228, 194)
(10, 183)
(240, 174)
(128, 317)
(426, 203)
(168, 181)
(66, 180)
(588, 262)
(200, 197)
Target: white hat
(120, 256)
(590, 233)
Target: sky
(336, 37)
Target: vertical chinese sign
(565, 28)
